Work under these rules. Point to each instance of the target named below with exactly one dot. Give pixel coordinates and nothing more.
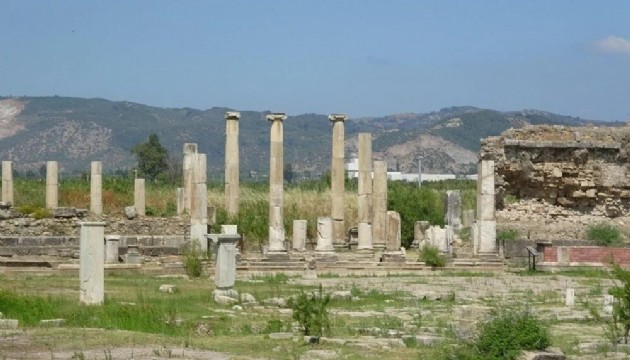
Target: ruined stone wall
(581, 170)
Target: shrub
(510, 331)
(604, 234)
(193, 260)
(311, 312)
(619, 325)
(507, 235)
(432, 257)
(503, 336)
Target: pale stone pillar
(324, 234)
(276, 185)
(189, 150)
(453, 207)
(365, 190)
(139, 197)
(199, 201)
(379, 196)
(570, 297)
(393, 241)
(484, 234)
(232, 186)
(52, 183)
(92, 268)
(96, 188)
(111, 249)
(299, 235)
(337, 178)
(179, 199)
(7, 182)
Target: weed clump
(504, 336)
(432, 257)
(507, 235)
(604, 234)
(311, 312)
(193, 260)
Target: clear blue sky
(360, 57)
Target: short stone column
(112, 243)
(232, 186)
(96, 188)
(92, 268)
(199, 202)
(337, 179)
(179, 200)
(365, 191)
(485, 229)
(324, 234)
(7, 182)
(52, 185)
(276, 186)
(189, 150)
(139, 197)
(453, 207)
(379, 196)
(225, 271)
(420, 234)
(393, 240)
(299, 235)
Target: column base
(225, 296)
(393, 257)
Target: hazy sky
(359, 57)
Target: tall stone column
(379, 197)
(92, 267)
(139, 197)
(7, 182)
(337, 179)
(199, 201)
(52, 185)
(365, 191)
(189, 150)
(96, 188)
(232, 186)
(276, 185)
(484, 231)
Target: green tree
(152, 158)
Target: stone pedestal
(187, 165)
(438, 237)
(232, 186)
(133, 255)
(111, 249)
(570, 297)
(420, 234)
(92, 267)
(7, 182)
(364, 241)
(276, 187)
(139, 197)
(337, 178)
(229, 229)
(52, 185)
(96, 188)
(225, 273)
(299, 235)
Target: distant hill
(75, 131)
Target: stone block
(299, 235)
(8, 324)
(569, 299)
(324, 234)
(365, 237)
(487, 235)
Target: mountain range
(75, 131)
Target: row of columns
(52, 187)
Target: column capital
(232, 115)
(277, 116)
(338, 117)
